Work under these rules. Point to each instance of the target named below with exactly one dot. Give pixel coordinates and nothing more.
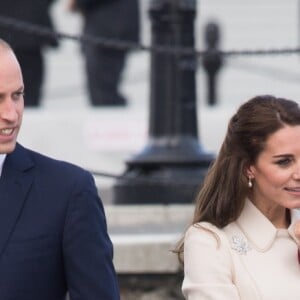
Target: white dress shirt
(249, 259)
(2, 158)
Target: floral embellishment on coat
(240, 244)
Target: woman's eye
(283, 162)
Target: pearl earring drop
(250, 182)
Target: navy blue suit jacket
(53, 234)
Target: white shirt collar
(264, 232)
(2, 158)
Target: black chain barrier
(27, 27)
(141, 178)
(30, 28)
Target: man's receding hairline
(4, 45)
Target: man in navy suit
(53, 234)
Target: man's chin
(5, 149)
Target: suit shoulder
(50, 164)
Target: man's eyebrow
(21, 88)
(18, 90)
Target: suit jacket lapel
(15, 182)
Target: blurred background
(102, 139)
(99, 139)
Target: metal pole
(172, 165)
(212, 60)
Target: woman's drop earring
(250, 182)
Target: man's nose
(8, 110)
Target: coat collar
(18, 160)
(15, 183)
(263, 233)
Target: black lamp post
(172, 165)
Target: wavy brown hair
(224, 190)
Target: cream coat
(247, 260)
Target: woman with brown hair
(242, 243)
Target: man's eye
(18, 95)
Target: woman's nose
(296, 173)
